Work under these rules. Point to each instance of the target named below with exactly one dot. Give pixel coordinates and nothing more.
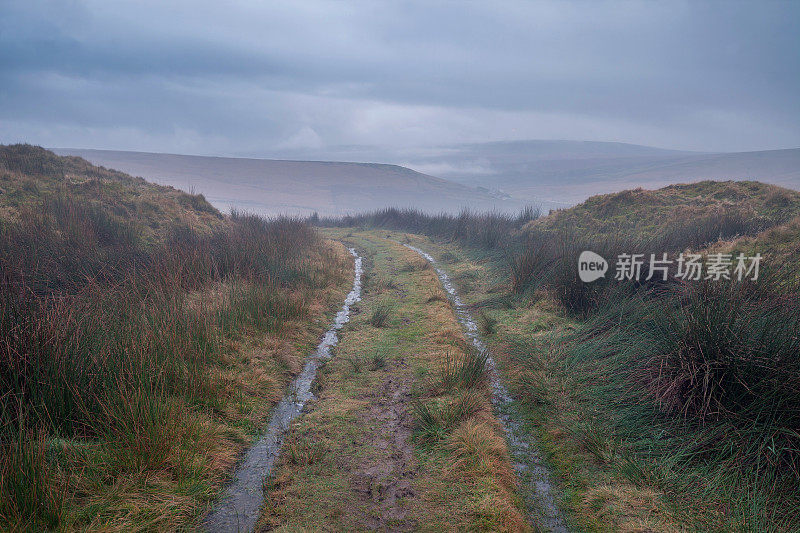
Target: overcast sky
(224, 78)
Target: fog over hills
(570, 172)
(559, 173)
(271, 187)
(496, 175)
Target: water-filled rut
(528, 463)
(238, 509)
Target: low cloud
(206, 77)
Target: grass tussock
(380, 315)
(480, 451)
(436, 294)
(378, 360)
(487, 324)
(415, 265)
(466, 372)
(380, 284)
(435, 419)
(301, 452)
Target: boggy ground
(388, 444)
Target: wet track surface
(238, 509)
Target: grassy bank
(140, 352)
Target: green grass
(487, 324)
(466, 372)
(435, 419)
(380, 315)
(665, 406)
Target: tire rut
(534, 475)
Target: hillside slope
(748, 207)
(30, 175)
(144, 340)
(557, 173)
(271, 187)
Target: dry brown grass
(479, 450)
(414, 263)
(436, 294)
(625, 508)
(502, 510)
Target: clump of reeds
(435, 419)
(380, 315)
(464, 372)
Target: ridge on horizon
(274, 154)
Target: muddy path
(361, 457)
(239, 507)
(384, 444)
(385, 483)
(534, 475)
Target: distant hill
(571, 171)
(271, 187)
(556, 174)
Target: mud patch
(385, 483)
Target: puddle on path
(238, 509)
(528, 461)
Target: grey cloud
(703, 75)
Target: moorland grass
(700, 385)
(106, 358)
(457, 463)
(380, 315)
(465, 372)
(483, 230)
(693, 384)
